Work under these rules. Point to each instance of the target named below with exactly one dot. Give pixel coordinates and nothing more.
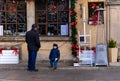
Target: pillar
(30, 14)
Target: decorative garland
(74, 47)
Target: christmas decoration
(74, 46)
(93, 14)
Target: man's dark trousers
(32, 59)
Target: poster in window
(1, 30)
(64, 29)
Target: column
(30, 13)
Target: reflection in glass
(52, 29)
(52, 16)
(21, 29)
(2, 17)
(10, 29)
(21, 5)
(52, 5)
(1, 4)
(63, 16)
(49, 18)
(21, 17)
(63, 5)
(42, 29)
(41, 16)
(40, 4)
(11, 17)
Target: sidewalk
(64, 66)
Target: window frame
(57, 22)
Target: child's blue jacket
(54, 53)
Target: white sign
(1, 30)
(64, 29)
(101, 55)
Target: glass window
(52, 17)
(13, 17)
(94, 17)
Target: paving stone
(9, 80)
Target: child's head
(55, 46)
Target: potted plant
(112, 50)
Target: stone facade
(63, 42)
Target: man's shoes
(50, 66)
(35, 70)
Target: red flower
(75, 46)
(97, 7)
(73, 23)
(72, 12)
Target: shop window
(93, 8)
(13, 17)
(52, 17)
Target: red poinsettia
(72, 12)
(75, 46)
(73, 23)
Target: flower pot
(113, 54)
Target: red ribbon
(0, 51)
(16, 52)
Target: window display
(93, 13)
(54, 14)
(13, 17)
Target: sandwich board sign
(101, 55)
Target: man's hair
(34, 26)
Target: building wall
(93, 28)
(64, 43)
(113, 21)
(64, 46)
(46, 42)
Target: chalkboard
(101, 55)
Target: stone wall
(93, 28)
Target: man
(33, 45)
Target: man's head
(35, 27)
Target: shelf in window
(40, 10)
(9, 23)
(2, 10)
(63, 10)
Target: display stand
(84, 40)
(85, 56)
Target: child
(54, 56)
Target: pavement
(65, 72)
(62, 65)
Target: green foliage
(73, 30)
(112, 43)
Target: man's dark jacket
(32, 40)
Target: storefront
(54, 20)
(16, 17)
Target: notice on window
(64, 29)
(1, 30)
